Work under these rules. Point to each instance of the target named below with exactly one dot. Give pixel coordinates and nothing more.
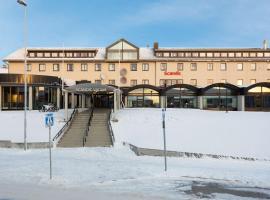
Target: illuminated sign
(172, 73)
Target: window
(32, 54)
(47, 55)
(180, 66)
(166, 54)
(223, 54)
(253, 67)
(68, 54)
(193, 82)
(162, 82)
(210, 81)
(133, 67)
(223, 67)
(268, 67)
(188, 54)
(252, 81)
(133, 82)
(56, 67)
(163, 66)
(111, 82)
(223, 81)
(111, 67)
(69, 67)
(39, 54)
(159, 54)
(209, 54)
(77, 54)
(195, 54)
(238, 54)
(145, 81)
(239, 66)
(245, 54)
(28, 67)
(239, 82)
(42, 67)
(181, 54)
(54, 54)
(209, 66)
(231, 54)
(97, 81)
(266, 54)
(84, 67)
(203, 55)
(173, 54)
(193, 66)
(216, 54)
(260, 54)
(97, 67)
(84, 55)
(145, 67)
(252, 54)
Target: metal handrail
(110, 128)
(61, 131)
(88, 126)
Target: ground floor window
(258, 98)
(181, 98)
(12, 98)
(143, 97)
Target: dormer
(122, 50)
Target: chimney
(265, 44)
(155, 45)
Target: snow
(3, 70)
(117, 172)
(12, 123)
(244, 134)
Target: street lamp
(23, 3)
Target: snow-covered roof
(3, 70)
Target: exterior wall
(154, 75)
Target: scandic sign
(172, 73)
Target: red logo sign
(172, 73)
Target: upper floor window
(252, 54)
(223, 67)
(238, 54)
(77, 54)
(163, 66)
(159, 54)
(224, 54)
(42, 67)
(245, 54)
(47, 54)
(209, 66)
(97, 67)
(260, 54)
(54, 54)
(166, 54)
(180, 66)
(209, 54)
(231, 54)
(217, 54)
(210, 81)
(253, 67)
(195, 54)
(32, 55)
(111, 67)
(239, 66)
(84, 67)
(111, 82)
(145, 67)
(188, 54)
(202, 54)
(133, 67)
(133, 82)
(193, 66)
(69, 67)
(174, 54)
(267, 54)
(239, 82)
(39, 54)
(145, 81)
(56, 67)
(28, 67)
(252, 81)
(69, 55)
(97, 81)
(223, 81)
(268, 67)
(181, 54)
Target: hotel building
(205, 78)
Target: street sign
(49, 120)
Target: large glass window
(258, 98)
(181, 98)
(143, 97)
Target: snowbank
(244, 134)
(12, 125)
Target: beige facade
(124, 64)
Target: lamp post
(23, 3)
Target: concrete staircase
(74, 136)
(99, 135)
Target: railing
(88, 126)
(110, 128)
(65, 126)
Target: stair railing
(66, 126)
(110, 128)
(88, 126)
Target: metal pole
(25, 78)
(164, 139)
(50, 150)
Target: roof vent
(265, 44)
(155, 45)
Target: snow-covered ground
(116, 173)
(212, 132)
(12, 123)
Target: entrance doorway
(103, 100)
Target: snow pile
(244, 134)
(12, 125)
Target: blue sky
(183, 23)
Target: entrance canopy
(89, 88)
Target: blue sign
(49, 119)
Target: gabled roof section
(126, 45)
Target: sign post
(49, 122)
(164, 139)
